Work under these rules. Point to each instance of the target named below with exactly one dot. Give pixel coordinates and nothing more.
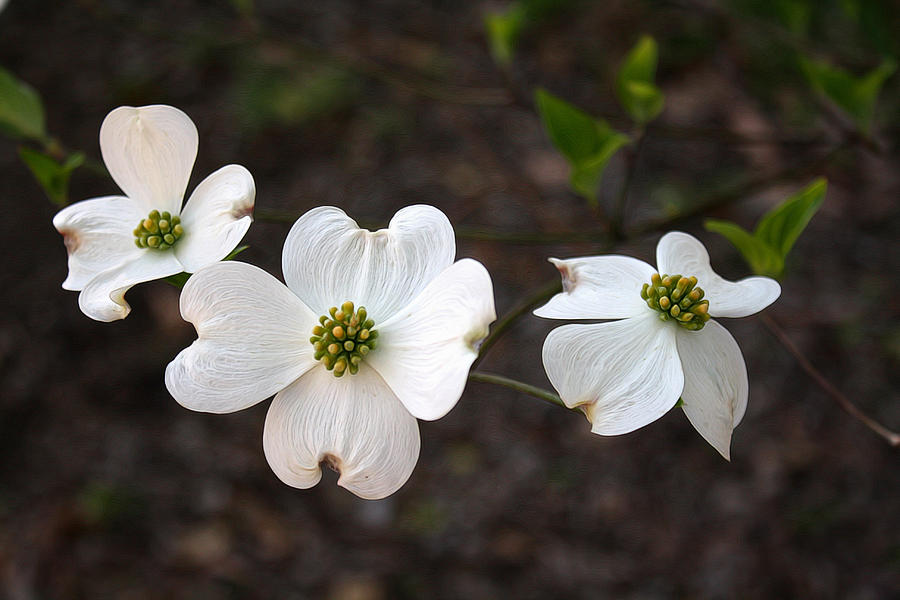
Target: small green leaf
(235, 252)
(635, 83)
(762, 258)
(21, 110)
(179, 279)
(857, 96)
(782, 225)
(52, 176)
(503, 31)
(586, 142)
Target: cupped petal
(216, 217)
(252, 339)
(354, 424)
(715, 383)
(683, 254)
(98, 234)
(150, 151)
(103, 298)
(625, 374)
(598, 287)
(425, 350)
(328, 259)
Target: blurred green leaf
(52, 176)
(761, 257)
(635, 86)
(503, 31)
(586, 142)
(21, 110)
(782, 225)
(857, 96)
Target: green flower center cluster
(677, 298)
(158, 231)
(343, 340)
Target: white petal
(216, 217)
(598, 287)
(98, 236)
(103, 298)
(328, 260)
(252, 339)
(353, 423)
(715, 383)
(150, 152)
(424, 351)
(626, 373)
(683, 254)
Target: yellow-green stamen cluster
(343, 340)
(677, 298)
(158, 231)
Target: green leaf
(21, 110)
(635, 86)
(52, 176)
(782, 225)
(235, 252)
(762, 258)
(503, 31)
(586, 142)
(857, 96)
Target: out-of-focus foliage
(855, 95)
(586, 142)
(21, 110)
(635, 85)
(52, 175)
(766, 249)
(505, 28)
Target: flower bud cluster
(342, 341)
(158, 231)
(677, 298)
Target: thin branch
(540, 296)
(519, 386)
(891, 437)
(631, 160)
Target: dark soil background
(110, 489)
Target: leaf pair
(635, 85)
(766, 249)
(586, 142)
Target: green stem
(540, 296)
(519, 386)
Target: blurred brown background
(109, 489)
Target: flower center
(343, 340)
(677, 298)
(158, 231)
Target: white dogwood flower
(372, 331)
(115, 242)
(627, 373)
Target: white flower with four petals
(627, 373)
(149, 152)
(427, 314)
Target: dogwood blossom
(372, 331)
(627, 373)
(115, 242)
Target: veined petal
(103, 298)
(683, 254)
(598, 287)
(328, 259)
(98, 236)
(626, 373)
(715, 383)
(252, 339)
(424, 351)
(216, 217)
(353, 423)
(150, 152)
